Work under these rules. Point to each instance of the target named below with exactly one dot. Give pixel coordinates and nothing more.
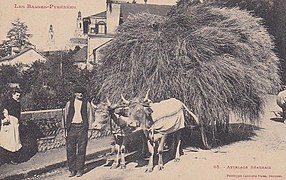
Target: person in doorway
(77, 120)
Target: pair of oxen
(154, 122)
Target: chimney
(109, 5)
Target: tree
(10, 74)
(45, 85)
(5, 49)
(48, 85)
(17, 36)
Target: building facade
(99, 29)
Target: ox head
(109, 115)
(139, 110)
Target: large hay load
(215, 60)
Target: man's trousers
(76, 147)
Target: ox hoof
(149, 170)
(161, 167)
(123, 166)
(114, 166)
(177, 160)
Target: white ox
(157, 121)
(123, 130)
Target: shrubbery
(45, 85)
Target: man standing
(78, 118)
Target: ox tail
(192, 114)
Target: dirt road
(248, 152)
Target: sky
(63, 19)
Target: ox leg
(122, 162)
(116, 161)
(144, 146)
(160, 152)
(177, 140)
(108, 156)
(151, 146)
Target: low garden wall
(45, 129)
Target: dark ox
(158, 120)
(124, 130)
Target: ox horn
(147, 96)
(92, 104)
(108, 102)
(124, 100)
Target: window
(101, 27)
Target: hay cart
(217, 59)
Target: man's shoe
(72, 173)
(79, 173)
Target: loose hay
(215, 60)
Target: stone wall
(43, 130)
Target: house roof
(16, 55)
(99, 15)
(80, 55)
(129, 9)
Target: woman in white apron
(9, 132)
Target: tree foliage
(17, 36)
(45, 85)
